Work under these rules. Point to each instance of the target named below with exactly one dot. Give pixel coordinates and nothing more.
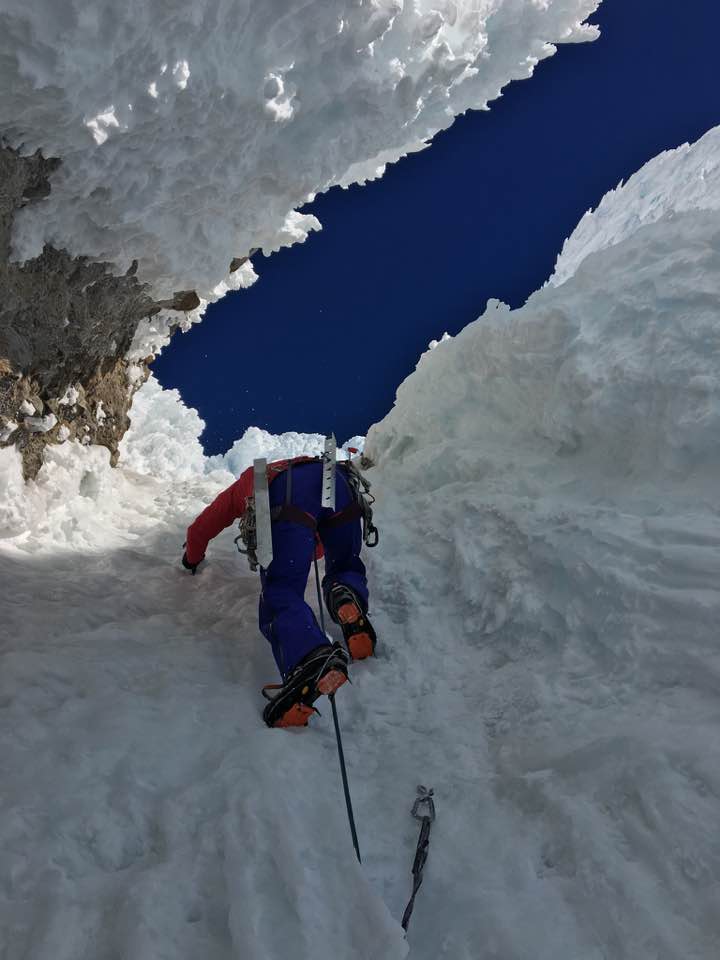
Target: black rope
(341, 754)
(346, 788)
(424, 798)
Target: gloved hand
(191, 566)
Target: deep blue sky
(332, 326)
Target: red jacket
(228, 506)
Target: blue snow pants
(285, 619)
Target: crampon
(321, 673)
(358, 632)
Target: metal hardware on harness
(329, 459)
(424, 796)
(360, 489)
(424, 800)
(257, 507)
(248, 534)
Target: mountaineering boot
(346, 610)
(320, 673)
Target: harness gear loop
(360, 489)
(248, 534)
(424, 800)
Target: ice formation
(676, 181)
(185, 142)
(546, 596)
(163, 440)
(553, 473)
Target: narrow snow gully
(146, 810)
(546, 600)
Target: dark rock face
(65, 324)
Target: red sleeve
(226, 507)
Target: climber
(309, 664)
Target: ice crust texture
(553, 473)
(163, 441)
(190, 131)
(546, 596)
(676, 181)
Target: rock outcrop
(66, 324)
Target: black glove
(191, 566)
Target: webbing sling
(353, 511)
(293, 514)
(424, 811)
(288, 511)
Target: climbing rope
(341, 754)
(424, 800)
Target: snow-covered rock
(65, 324)
(70, 397)
(40, 424)
(7, 429)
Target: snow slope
(553, 472)
(190, 131)
(146, 811)
(675, 181)
(546, 596)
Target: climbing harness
(254, 526)
(424, 800)
(341, 753)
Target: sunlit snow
(546, 595)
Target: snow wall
(549, 577)
(546, 593)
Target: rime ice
(189, 133)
